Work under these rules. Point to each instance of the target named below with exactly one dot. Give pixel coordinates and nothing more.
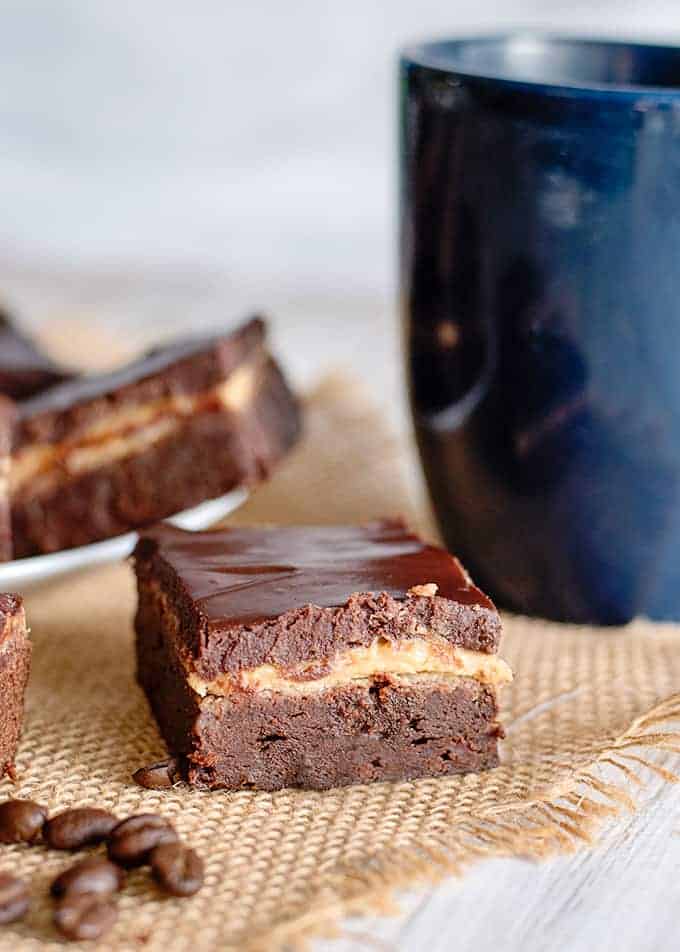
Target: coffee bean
(21, 821)
(178, 869)
(84, 915)
(160, 776)
(131, 842)
(92, 875)
(14, 899)
(74, 829)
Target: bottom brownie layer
(369, 730)
(15, 660)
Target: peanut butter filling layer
(414, 657)
(125, 432)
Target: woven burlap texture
(585, 708)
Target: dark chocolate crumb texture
(316, 656)
(97, 456)
(15, 660)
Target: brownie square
(15, 659)
(98, 456)
(316, 656)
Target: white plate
(22, 572)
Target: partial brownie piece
(6, 420)
(15, 660)
(101, 455)
(316, 656)
(24, 369)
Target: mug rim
(435, 55)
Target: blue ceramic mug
(541, 290)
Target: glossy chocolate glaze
(242, 576)
(187, 366)
(24, 369)
(233, 345)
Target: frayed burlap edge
(569, 815)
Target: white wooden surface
(621, 896)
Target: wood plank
(621, 896)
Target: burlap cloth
(584, 711)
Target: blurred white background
(165, 161)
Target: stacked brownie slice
(15, 658)
(316, 656)
(96, 456)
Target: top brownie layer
(182, 368)
(251, 596)
(24, 369)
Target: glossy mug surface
(540, 182)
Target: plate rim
(37, 568)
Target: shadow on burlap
(585, 709)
